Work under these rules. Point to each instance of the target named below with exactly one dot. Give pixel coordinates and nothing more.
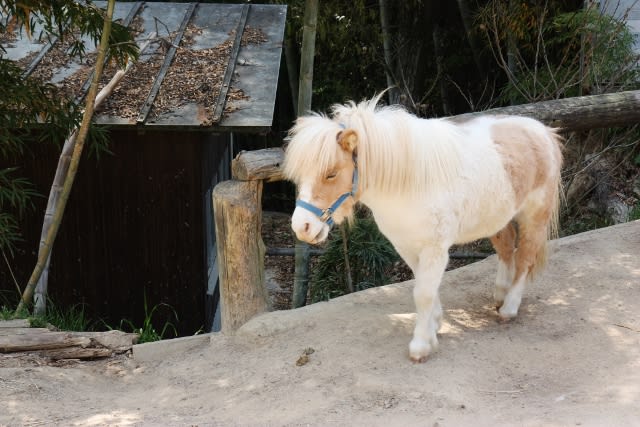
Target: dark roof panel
(188, 90)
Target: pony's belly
(416, 226)
(485, 224)
(477, 234)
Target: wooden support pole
(238, 219)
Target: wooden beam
(578, 113)
(259, 164)
(237, 211)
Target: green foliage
(549, 52)
(15, 195)
(6, 312)
(38, 112)
(584, 223)
(67, 18)
(71, 318)
(371, 257)
(147, 331)
(635, 212)
(348, 50)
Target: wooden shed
(139, 224)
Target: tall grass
(147, 331)
(75, 318)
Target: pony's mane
(396, 152)
(312, 147)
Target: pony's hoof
(505, 317)
(507, 313)
(418, 359)
(419, 350)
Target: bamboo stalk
(301, 276)
(40, 296)
(80, 137)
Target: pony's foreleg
(430, 268)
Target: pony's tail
(553, 229)
(552, 233)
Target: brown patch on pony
(523, 158)
(504, 242)
(348, 140)
(531, 256)
(531, 162)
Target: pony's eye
(331, 175)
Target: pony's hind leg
(504, 242)
(530, 256)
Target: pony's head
(320, 160)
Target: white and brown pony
(431, 183)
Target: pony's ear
(348, 140)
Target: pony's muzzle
(308, 228)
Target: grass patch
(147, 331)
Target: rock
(580, 186)
(636, 186)
(617, 210)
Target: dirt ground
(572, 358)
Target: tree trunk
(292, 61)
(308, 53)
(467, 18)
(439, 55)
(386, 47)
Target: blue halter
(326, 215)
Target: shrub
(370, 257)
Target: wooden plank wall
(134, 225)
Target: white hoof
(420, 349)
(509, 308)
(498, 295)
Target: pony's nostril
(306, 227)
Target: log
(41, 341)
(573, 114)
(237, 211)
(259, 164)
(77, 353)
(117, 341)
(16, 335)
(578, 113)
(14, 323)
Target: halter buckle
(326, 215)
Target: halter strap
(326, 215)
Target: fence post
(238, 220)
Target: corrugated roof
(205, 59)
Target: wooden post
(238, 219)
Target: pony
(430, 184)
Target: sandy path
(572, 357)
